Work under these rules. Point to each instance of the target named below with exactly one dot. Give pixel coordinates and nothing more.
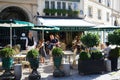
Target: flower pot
(7, 63)
(91, 66)
(34, 63)
(57, 61)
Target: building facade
(99, 12)
(102, 11)
(24, 10)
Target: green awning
(14, 24)
(76, 28)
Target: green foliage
(114, 38)
(114, 53)
(57, 51)
(33, 53)
(90, 39)
(7, 52)
(64, 11)
(61, 11)
(75, 13)
(47, 10)
(96, 55)
(84, 56)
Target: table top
(23, 52)
(18, 56)
(68, 52)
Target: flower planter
(7, 64)
(57, 63)
(34, 63)
(91, 66)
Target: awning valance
(67, 24)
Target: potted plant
(90, 63)
(47, 11)
(90, 40)
(75, 13)
(114, 54)
(7, 54)
(57, 54)
(95, 57)
(33, 58)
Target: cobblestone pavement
(46, 71)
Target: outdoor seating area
(83, 55)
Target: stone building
(24, 10)
(97, 12)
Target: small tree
(90, 40)
(114, 38)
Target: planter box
(91, 66)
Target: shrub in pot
(96, 55)
(84, 56)
(57, 54)
(7, 54)
(90, 40)
(114, 38)
(89, 63)
(33, 58)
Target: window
(90, 11)
(108, 3)
(52, 5)
(99, 14)
(46, 4)
(100, 1)
(69, 6)
(58, 5)
(63, 5)
(107, 16)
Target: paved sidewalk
(46, 71)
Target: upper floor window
(100, 1)
(63, 5)
(46, 4)
(52, 5)
(90, 12)
(107, 16)
(69, 6)
(108, 3)
(99, 14)
(58, 5)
